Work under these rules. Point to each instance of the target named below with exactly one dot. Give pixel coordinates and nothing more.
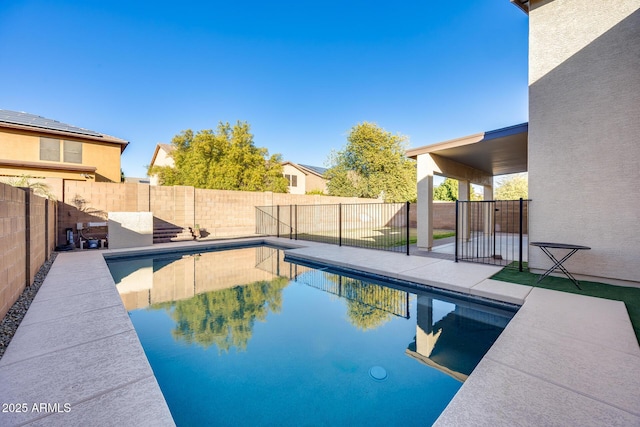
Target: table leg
(558, 266)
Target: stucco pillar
(464, 213)
(489, 209)
(487, 192)
(425, 169)
(426, 337)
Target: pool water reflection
(241, 337)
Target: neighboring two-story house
(161, 157)
(304, 178)
(53, 151)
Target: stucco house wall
(315, 183)
(161, 157)
(289, 169)
(584, 134)
(309, 178)
(20, 152)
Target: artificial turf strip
(630, 296)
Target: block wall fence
(31, 226)
(220, 213)
(27, 239)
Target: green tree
(369, 306)
(373, 164)
(363, 306)
(512, 188)
(447, 191)
(225, 318)
(225, 159)
(25, 181)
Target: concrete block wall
(220, 213)
(212, 271)
(12, 246)
(506, 218)
(444, 215)
(172, 205)
(174, 282)
(91, 201)
(37, 235)
(22, 215)
(228, 213)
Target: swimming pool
(241, 337)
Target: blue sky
(302, 74)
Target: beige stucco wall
(314, 182)
(306, 181)
(25, 146)
(584, 133)
(429, 165)
(291, 170)
(130, 229)
(161, 159)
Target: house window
(50, 149)
(72, 152)
(293, 180)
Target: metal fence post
(290, 222)
(495, 209)
(339, 224)
(408, 219)
(296, 216)
(520, 254)
(278, 221)
(456, 253)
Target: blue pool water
(241, 337)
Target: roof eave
(523, 5)
(295, 165)
(47, 166)
(310, 171)
(34, 129)
(470, 139)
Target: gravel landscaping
(16, 313)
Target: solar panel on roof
(26, 119)
(316, 169)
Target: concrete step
(172, 234)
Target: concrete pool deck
(564, 359)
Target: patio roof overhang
(497, 152)
(523, 5)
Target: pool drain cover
(378, 373)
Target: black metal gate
(492, 232)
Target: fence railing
(382, 226)
(380, 297)
(492, 232)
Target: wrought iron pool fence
(492, 232)
(384, 226)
